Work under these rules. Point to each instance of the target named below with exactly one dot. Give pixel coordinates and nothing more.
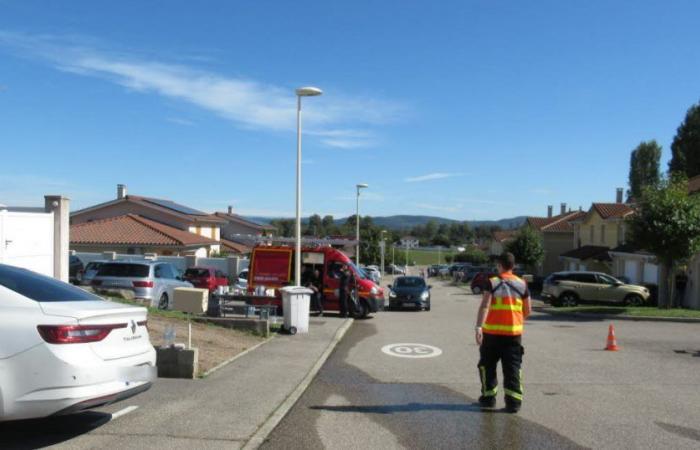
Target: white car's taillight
(76, 334)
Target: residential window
(602, 234)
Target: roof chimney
(620, 193)
(230, 209)
(121, 191)
(550, 208)
(563, 208)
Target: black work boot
(512, 407)
(487, 402)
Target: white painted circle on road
(408, 350)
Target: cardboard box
(191, 300)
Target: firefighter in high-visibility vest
(499, 329)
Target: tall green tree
(314, 226)
(685, 149)
(527, 248)
(667, 224)
(472, 255)
(644, 168)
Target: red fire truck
(273, 267)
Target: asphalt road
(576, 394)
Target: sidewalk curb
(581, 315)
(232, 359)
(276, 417)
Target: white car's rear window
(41, 288)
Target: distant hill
(401, 222)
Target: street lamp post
(357, 220)
(383, 248)
(406, 256)
(301, 92)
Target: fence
(231, 266)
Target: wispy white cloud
(432, 176)
(180, 121)
(431, 207)
(250, 104)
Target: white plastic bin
(295, 305)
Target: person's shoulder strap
(497, 285)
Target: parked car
(90, 271)
(469, 273)
(243, 279)
(570, 288)
(458, 267)
(63, 349)
(480, 281)
(152, 281)
(409, 292)
(444, 270)
(395, 270)
(373, 274)
(205, 278)
(75, 269)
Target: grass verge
(634, 311)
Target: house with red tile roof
(134, 234)
(238, 226)
(499, 240)
(557, 235)
(600, 238)
(181, 228)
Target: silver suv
(570, 288)
(152, 281)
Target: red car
(205, 278)
(480, 282)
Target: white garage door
(651, 273)
(631, 271)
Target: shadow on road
(407, 408)
(37, 433)
(561, 317)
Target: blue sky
(461, 109)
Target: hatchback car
(205, 277)
(570, 288)
(152, 281)
(409, 292)
(63, 349)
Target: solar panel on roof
(176, 207)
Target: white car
(373, 273)
(64, 350)
(242, 282)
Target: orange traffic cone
(612, 342)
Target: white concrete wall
(27, 240)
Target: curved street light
(357, 221)
(308, 91)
